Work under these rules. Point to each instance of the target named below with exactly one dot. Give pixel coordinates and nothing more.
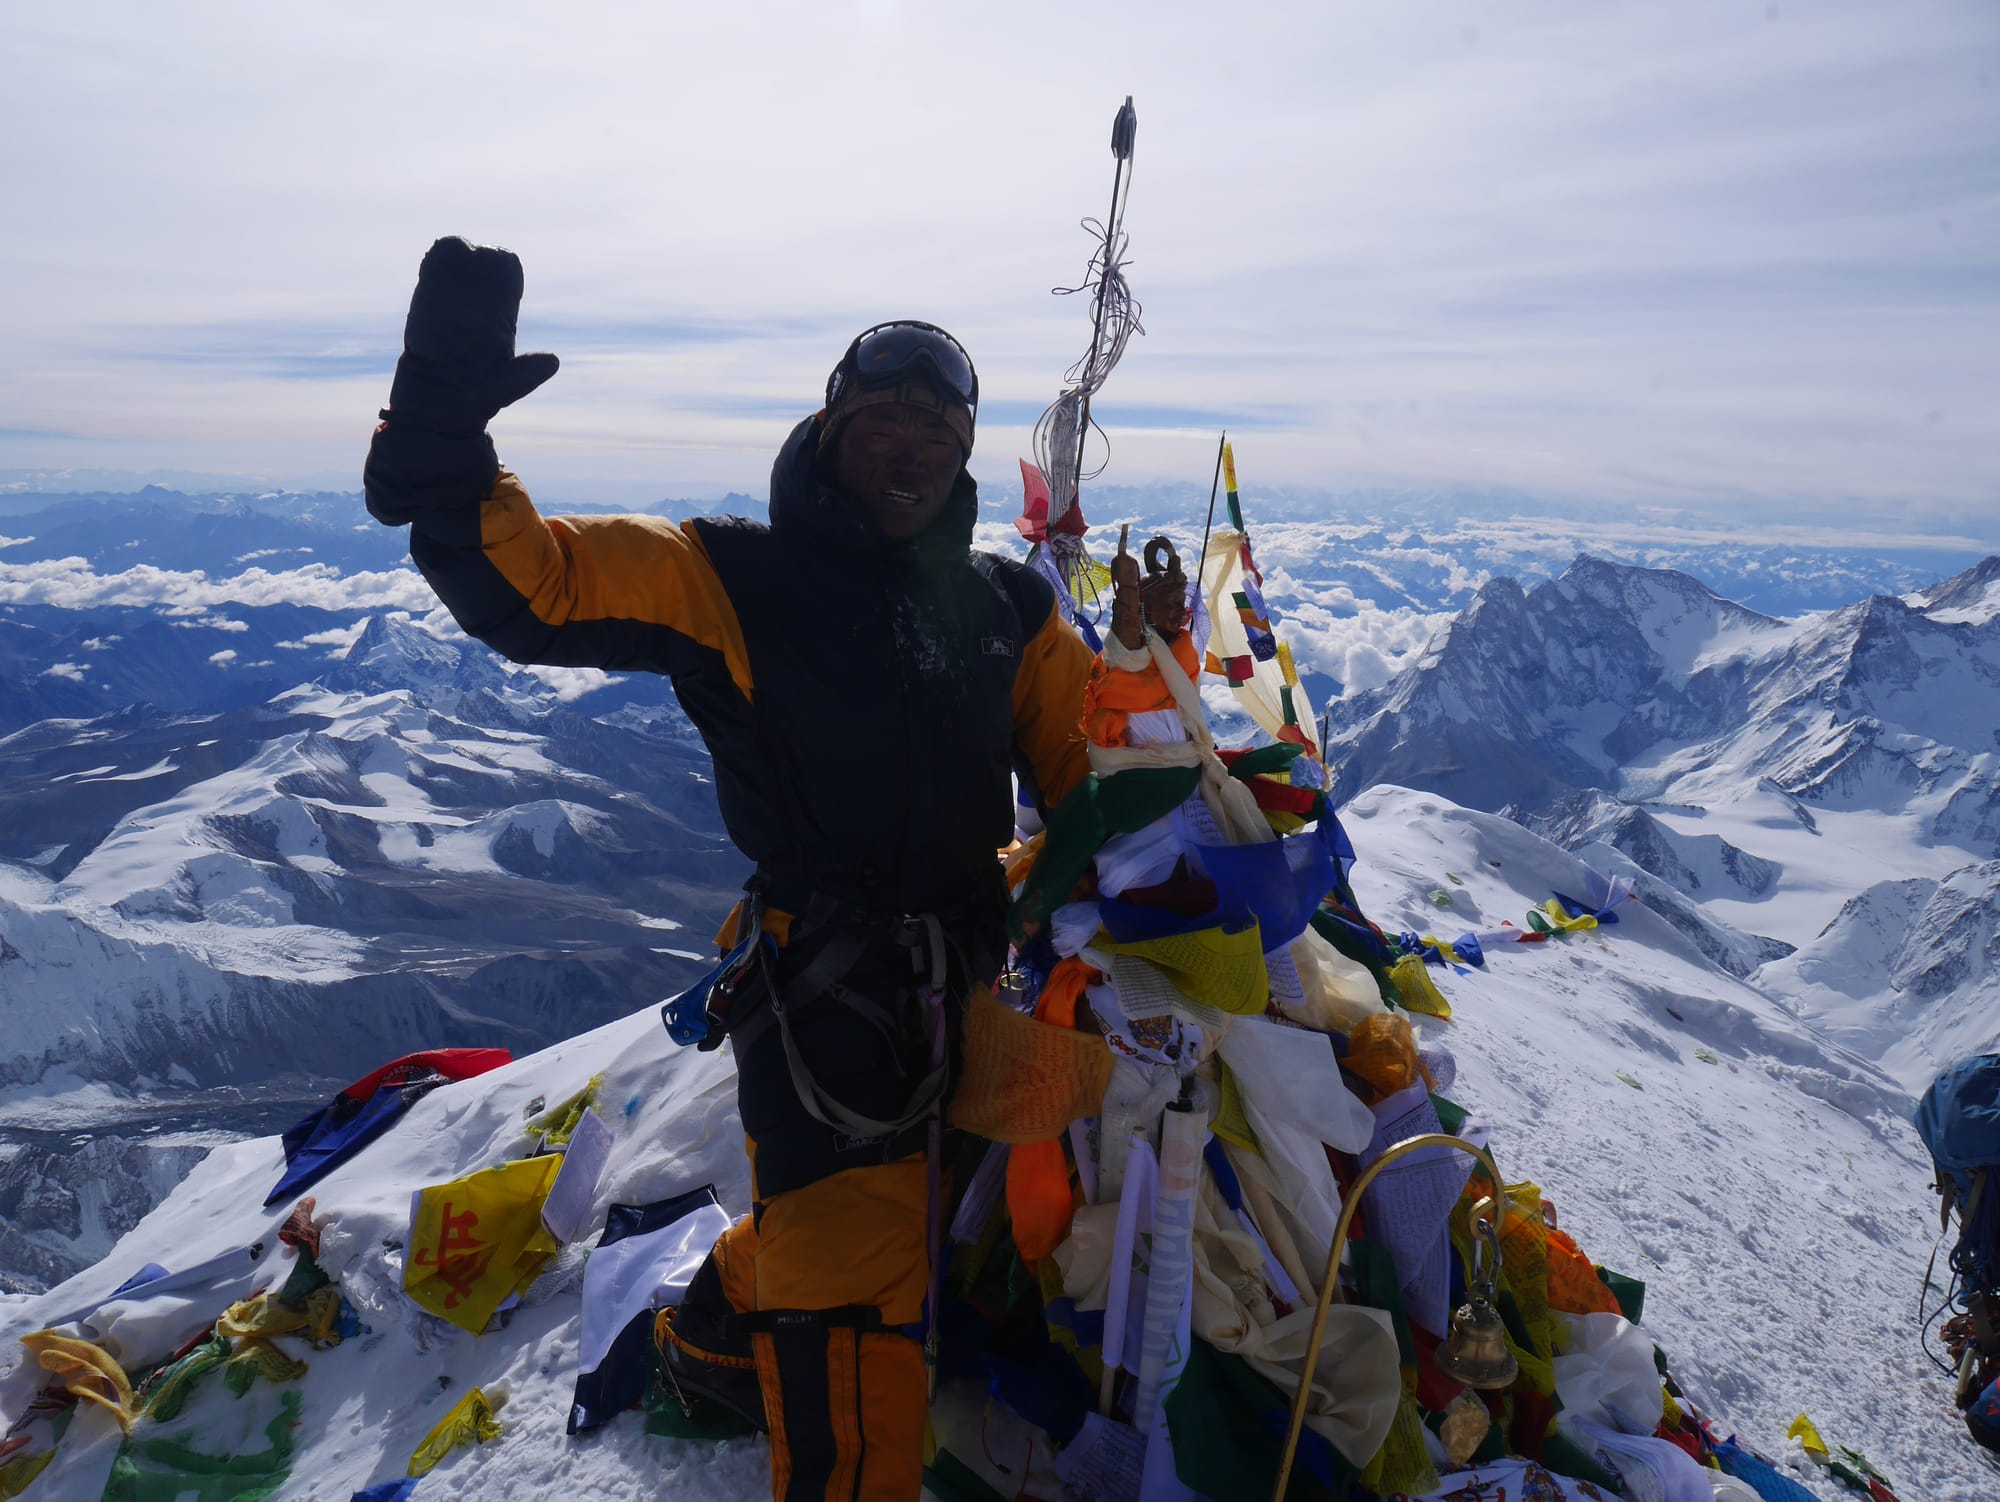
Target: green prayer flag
(1228, 1423)
(1095, 810)
(1630, 1293)
(169, 1470)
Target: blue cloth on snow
(139, 1279)
(387, 1491)
(1766, 1481)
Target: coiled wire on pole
(1064, 427)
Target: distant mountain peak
(1972, 597)
(393, 652)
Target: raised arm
(610, 592)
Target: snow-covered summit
(1972, 597)
(1681, 1122)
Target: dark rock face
(61, 1209)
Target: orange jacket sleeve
(1048, 706)
(580, 591)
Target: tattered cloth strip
(259, 1358)
(555, 1125)
(265, 1315)
(1038, 1187)
(156, 1319)
(166, 1392)
(1280, 882)
(1415, 988)
(299, 1229)
(88, 1372)
(470, 1422)
(1096, 808)
(1769, 1483)
(386, 1491)
(1220, 970)
(1849, 1467)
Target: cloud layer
(72, 584)
(1691, 251)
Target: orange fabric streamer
(1062, 991)
(1574, 1287)
(1039, 1199)
(1113, 695)
(1382, 1050)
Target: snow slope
(1774, 1200)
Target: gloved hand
(458, 368)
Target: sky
(1695, 254)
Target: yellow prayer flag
(1807, 1433)
(470, 1422)
(1560, 920)
(1415, 988)
(1026, 1080)
(1217, 967)
(477, 1239)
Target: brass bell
(1475, 1351)
(1475, 1348)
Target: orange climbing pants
(839, 1269)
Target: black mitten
(457, 370)
(458, 366)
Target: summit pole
(1201, 566)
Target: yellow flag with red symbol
(478, 1239)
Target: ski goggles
(889, 353)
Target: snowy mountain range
(266, 818)
(1816, 801)
(1763, 1183)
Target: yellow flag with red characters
(478, 1239)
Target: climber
(866, 684)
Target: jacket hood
(805, 503)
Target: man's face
(900, 463)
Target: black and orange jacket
(864, 702)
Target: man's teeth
(902, 497)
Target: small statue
(1158, 599)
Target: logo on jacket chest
(996, 646)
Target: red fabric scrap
(1033, 522)
(1190, 897)
(299, 1230)
(452, 1063)
(1271, 793)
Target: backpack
(1959, 1121)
